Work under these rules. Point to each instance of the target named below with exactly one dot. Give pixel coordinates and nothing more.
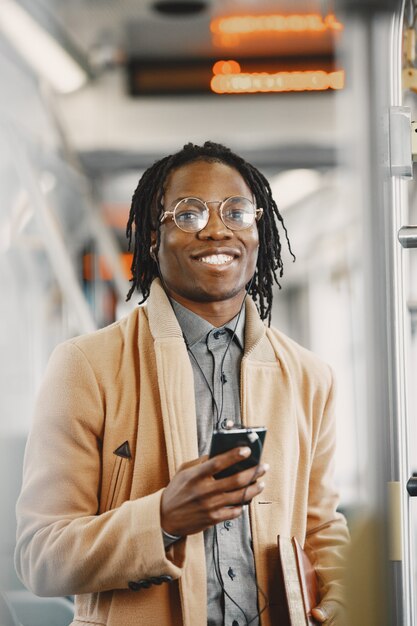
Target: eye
(188, 215)
(238, 209)
(236, 214)
(190, 210)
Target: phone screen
(224, 440)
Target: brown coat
(89, 521)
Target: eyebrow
(183, 198)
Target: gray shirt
(229, 546)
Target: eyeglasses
(192, 214)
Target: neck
(216, 313)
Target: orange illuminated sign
(228, 78)
(229, 30)
(249, 24)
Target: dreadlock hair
(147, 207)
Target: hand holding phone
(193, 501)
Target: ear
(153, 246)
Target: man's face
(191, 267)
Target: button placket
(216, 342)
(226, 390)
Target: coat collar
(196, 328)
(164, 324)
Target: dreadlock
(147, 206)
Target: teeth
(216, 259)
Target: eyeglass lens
(191, 214)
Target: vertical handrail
(374, 62)
(400, 467)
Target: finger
(194, 462)
(225, 513)
(245, 495)
(222, 461)
(242, 479)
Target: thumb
(319, 613)
(331, 612)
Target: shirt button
(228, 524)
(231, 573)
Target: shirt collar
(196, 328)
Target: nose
(215, 228)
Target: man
(119, 504)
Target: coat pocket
(122, 459)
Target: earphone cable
(216, 563)
(228, 346)
(204, 377)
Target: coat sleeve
(327, 534)
(64, 546)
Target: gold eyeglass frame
(257, 213)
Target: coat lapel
(176, 388)
(267, 399)
(175, 379)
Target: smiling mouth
(216, 259)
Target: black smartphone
(224, 440)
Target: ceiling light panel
(39, 49)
